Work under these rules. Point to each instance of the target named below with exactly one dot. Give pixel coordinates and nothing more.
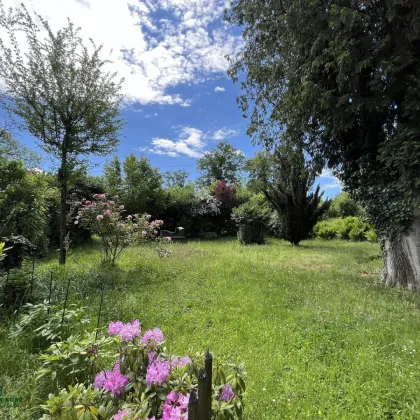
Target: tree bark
(402, 259)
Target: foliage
(350, 82)
(223, 163)
(61, 92)
(145, 379)
(25, 202)
(226, 195)
(11, 149)
(175, 179)
(113, 178)
(343, 206)
(350, 228)
(104, 218)
(46, 322)
(286, 178)
(251, 218)
(142, 186)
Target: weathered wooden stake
(192, 406)
(204, 389)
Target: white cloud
(151, 53)
(189, 143)
(333, 181)
(224, 133)
(219, 89)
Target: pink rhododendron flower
(175, 406)
(99, 380)
(115, 381)
(88, 203)
(111, 203)
(181, 361)
(121, 207)
(130, 330)
(143, 233)
(155, 231)
(135, 225)
(99, 217)
(114, 328)
(121, 225)
(108, 212)
(227, 393)
(129, 217)
(153, 337)
(122, 414)
(157, 372)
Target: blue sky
(172, 55)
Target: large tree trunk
(402, 259)
(62, 176)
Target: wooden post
(192, 406)
(204, 389)
(49, 295)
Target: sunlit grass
(321, 338)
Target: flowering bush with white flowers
(145, 383)
(116, 231)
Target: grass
(320, 336)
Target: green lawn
(321, 338)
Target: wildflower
(129, 217)
(111, 203)
(121, 415)
(108, 212)
(158, 372)
(153, 337)
(121, 225)
(114, 328)
(227, 393)
(175, 406)
(121, 207)
(99, 217)
(135, 225)
(143, 233)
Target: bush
(350, 228)
(343, 206)
(140, 381)
(251, 218)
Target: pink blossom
(121, 225)
(95, 195)
(88, 203)
(155, 231)
(108, 212)
(99, 380)
(143, 233)
(121, 207)
(227, 393)
(158, 372)
(146, 223)
(111, 203)
(168, 238)
(115, 382)
(114, 328)
(122, 414)
(116, 197)
(130, 330)
(135, 225)
(182, 361)
(153, 337)
(175, 406)
(99, 217)
(129, 217)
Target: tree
(142, 186)
(113, 176)
(11, 149)
(62, 94)
(176, 178)
(286, 178)
(347, 74)
(343, 206)
(223, 163)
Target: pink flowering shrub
(116, 231)
(145, 383)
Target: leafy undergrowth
(320, 336)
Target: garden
(241, 290)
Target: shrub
(251, 218)
(141, 382)
(105, 218)
(350, 228)
(343, 206)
